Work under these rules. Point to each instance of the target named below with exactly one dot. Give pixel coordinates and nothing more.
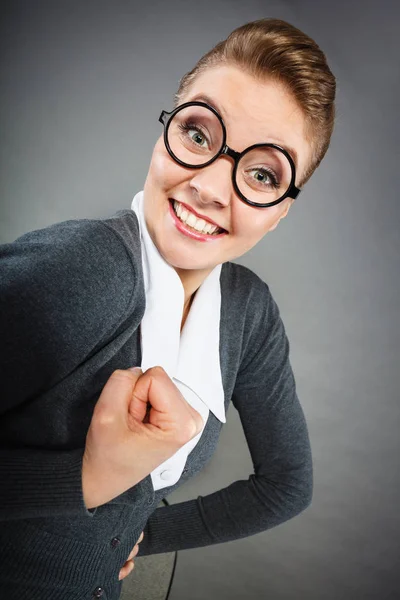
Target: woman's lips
(185, 229)
(196, 214)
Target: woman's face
(252, 112)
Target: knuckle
(188, 431)
(103, 417)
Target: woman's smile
(187, 223)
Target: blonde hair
(275, 50)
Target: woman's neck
(186, 310)
(191, 281)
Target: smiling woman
(256, 113)
(90, 448)
(268, 83)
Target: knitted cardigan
(71, 301)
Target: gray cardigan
(71, 301)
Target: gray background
(82, 86)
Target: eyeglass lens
(195, 136)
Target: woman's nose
(214, 182)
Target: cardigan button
(98, 592)
(115, 542)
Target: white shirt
(190, 357)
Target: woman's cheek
(249, 227)
(262, 221)
(163, 171)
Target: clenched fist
(140, 420)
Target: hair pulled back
(272, 49)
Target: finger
(151, 398)
(134, 552)
(156, 387)
(136, 371)
(141, 537)
(168, 405)
(138, 405)
(126, 569)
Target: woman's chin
(179, 250)
(178, 261)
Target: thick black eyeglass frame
(166, 117)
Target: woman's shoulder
(254, 315)
(240, 282)
(125, 226)
(75, 264)
(64, 290)
(247, 303)
(79, 242)
(121, 226)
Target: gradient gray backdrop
(82, 87)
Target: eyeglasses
(195, 136)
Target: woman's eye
(265, 177)
(195, 135)
(198, 137)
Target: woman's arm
(63, 291)
(277, 435)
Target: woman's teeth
(190, 219)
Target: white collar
(191, 357)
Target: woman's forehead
(253, 111)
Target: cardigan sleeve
(61, 297)
(276, 432)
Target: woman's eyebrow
(208, 100)
(219, 109)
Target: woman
(88, 447)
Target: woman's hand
(139, 421)
(129, 565)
